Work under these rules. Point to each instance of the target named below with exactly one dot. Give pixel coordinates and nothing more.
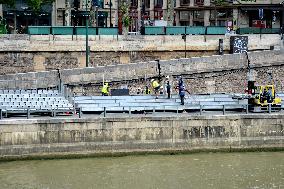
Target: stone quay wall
(24, 53)
(209, 74)
(111, 136)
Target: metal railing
(200, 110)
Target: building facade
(104, 13)
(230, 13)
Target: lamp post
(184, 39)
(109, 4)
(87, 35)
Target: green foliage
(35, 5)
(124, 9)
(8, 2)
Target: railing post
(224, 110)
(129, 111)
(1, 114)
(269, 108)
(200, 109)
(104, 111)
(28, 113)
(247, 109)
(80, 112)
(177, 109)
(154, 110)
(53, 113)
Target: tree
(36, 5)
(8, 2)
(218, 3)
(124, 9)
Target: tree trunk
(125, 30)
(1, 10)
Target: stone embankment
(209, 74)
(23, 53)
(47, 138)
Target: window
(221, 17)
(221, 14)
(147, 4)
(198, 15)
(184, 2)
(184, 15)
(198, 2)
(133, 3)
(158, 3)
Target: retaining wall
(225, 73)
(23, 53)
(63, 43)
(63, 137)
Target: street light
(184, 39)
(109, 4)
(87, 34)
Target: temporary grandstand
(34, 101)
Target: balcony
(225, 2)
(260, 2)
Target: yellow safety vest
(147, 91)
(155, 84)
(105, 89)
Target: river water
(203, 170)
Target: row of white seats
(29, 95)
(33, 91)
(31, 99)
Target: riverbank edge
(82, 155)
(21, 126)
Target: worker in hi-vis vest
(156, 86)
(105, 90)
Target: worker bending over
(156, 86)
(105, 90)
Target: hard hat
(106, 83)
(168, 77)
(152, 80)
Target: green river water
(201, 170)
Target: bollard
(1, 114)
(28, 113)
(269, 108)
(104, 111)
(200, 109)
(224, 110)
(80, 112)
(247, 109)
